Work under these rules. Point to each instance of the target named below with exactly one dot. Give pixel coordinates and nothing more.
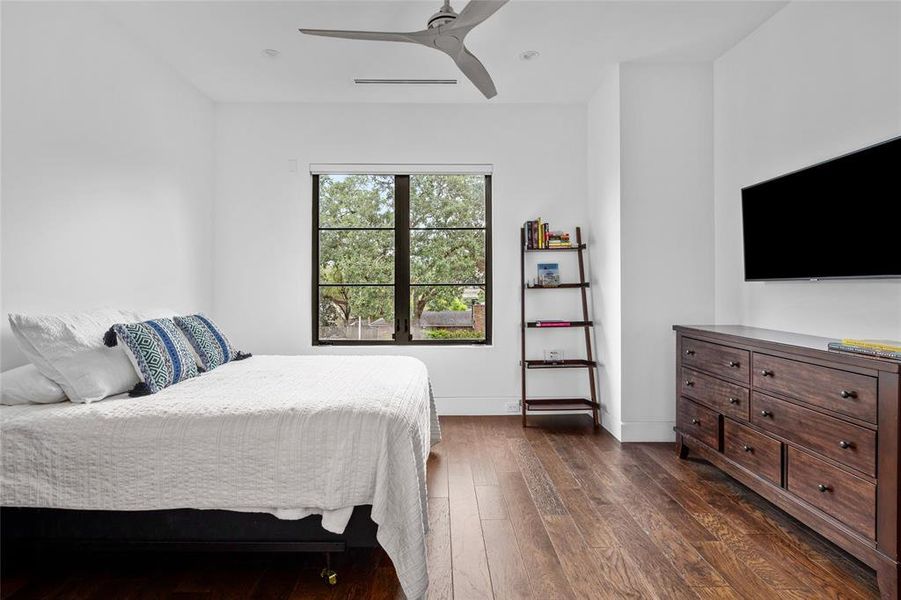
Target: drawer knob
(823, 487)
(733, 400)
(689, 383)
(748, 448)
(766, 413)
(689, 353)
(766, 373)
(734, 364)
(696, 421)
(845, 444)
(849, 394)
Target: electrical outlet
(512, 406)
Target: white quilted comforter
(290, 435)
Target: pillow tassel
(140, 389)
(241, 356)
(109, 338)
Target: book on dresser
(812, 430)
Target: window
(402, 259)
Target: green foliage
(453, 334)
(368, 256)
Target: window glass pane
(447, 312)
(447, 201)
(363, 256)
(356, 313)
(356, 201)
(447, 256)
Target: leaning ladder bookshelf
(544, 405)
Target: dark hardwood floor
(551, 512)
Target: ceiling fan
(445, 32)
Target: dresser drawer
(841, 441)
(714, 358)
(846, 497)
(847, 393)
(728, 398)
(753, 450)
(699, 422)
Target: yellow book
(888, 345)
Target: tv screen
(838, 219)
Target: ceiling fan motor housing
(442, 17)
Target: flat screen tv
(835, 220)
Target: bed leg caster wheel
(330, 576)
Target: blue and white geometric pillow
(158, 351)
(210, 345)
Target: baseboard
(482, 406)
(475, 406)
(647, 431)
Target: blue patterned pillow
(210, 345)
(158, 351)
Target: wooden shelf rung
(538, 324)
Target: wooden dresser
(814, 432)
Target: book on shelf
(539, 236)
(865, 350)
(553, 323)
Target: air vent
(405, 81)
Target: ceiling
(218, 46)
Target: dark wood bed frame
(24, 530)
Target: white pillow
(69, 350)
(26, 385)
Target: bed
(340, 438)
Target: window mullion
(402, 258)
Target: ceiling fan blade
(477, 11)
(379, 36)
(475, 71)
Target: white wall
(107, 170)
(815, 81)
(603, 157)
(263, 212)
(667, 231)
(650, 196)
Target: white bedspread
(289, 435)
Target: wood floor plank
(583, 570)
(540, 485)
(623, 575)
(482, 465)
(508, 574)
(491, 502)
(668, 582)
(592, 527)
(717, 593)
(553, 465)
(439, 550)
(741, 578)
(543, 568)
(811, 574)
(468, 557)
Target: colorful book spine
(874, 344)
(841, 347)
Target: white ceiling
(218, 45)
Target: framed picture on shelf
(548, 274)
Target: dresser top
(809, 345)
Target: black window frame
(402, 332)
